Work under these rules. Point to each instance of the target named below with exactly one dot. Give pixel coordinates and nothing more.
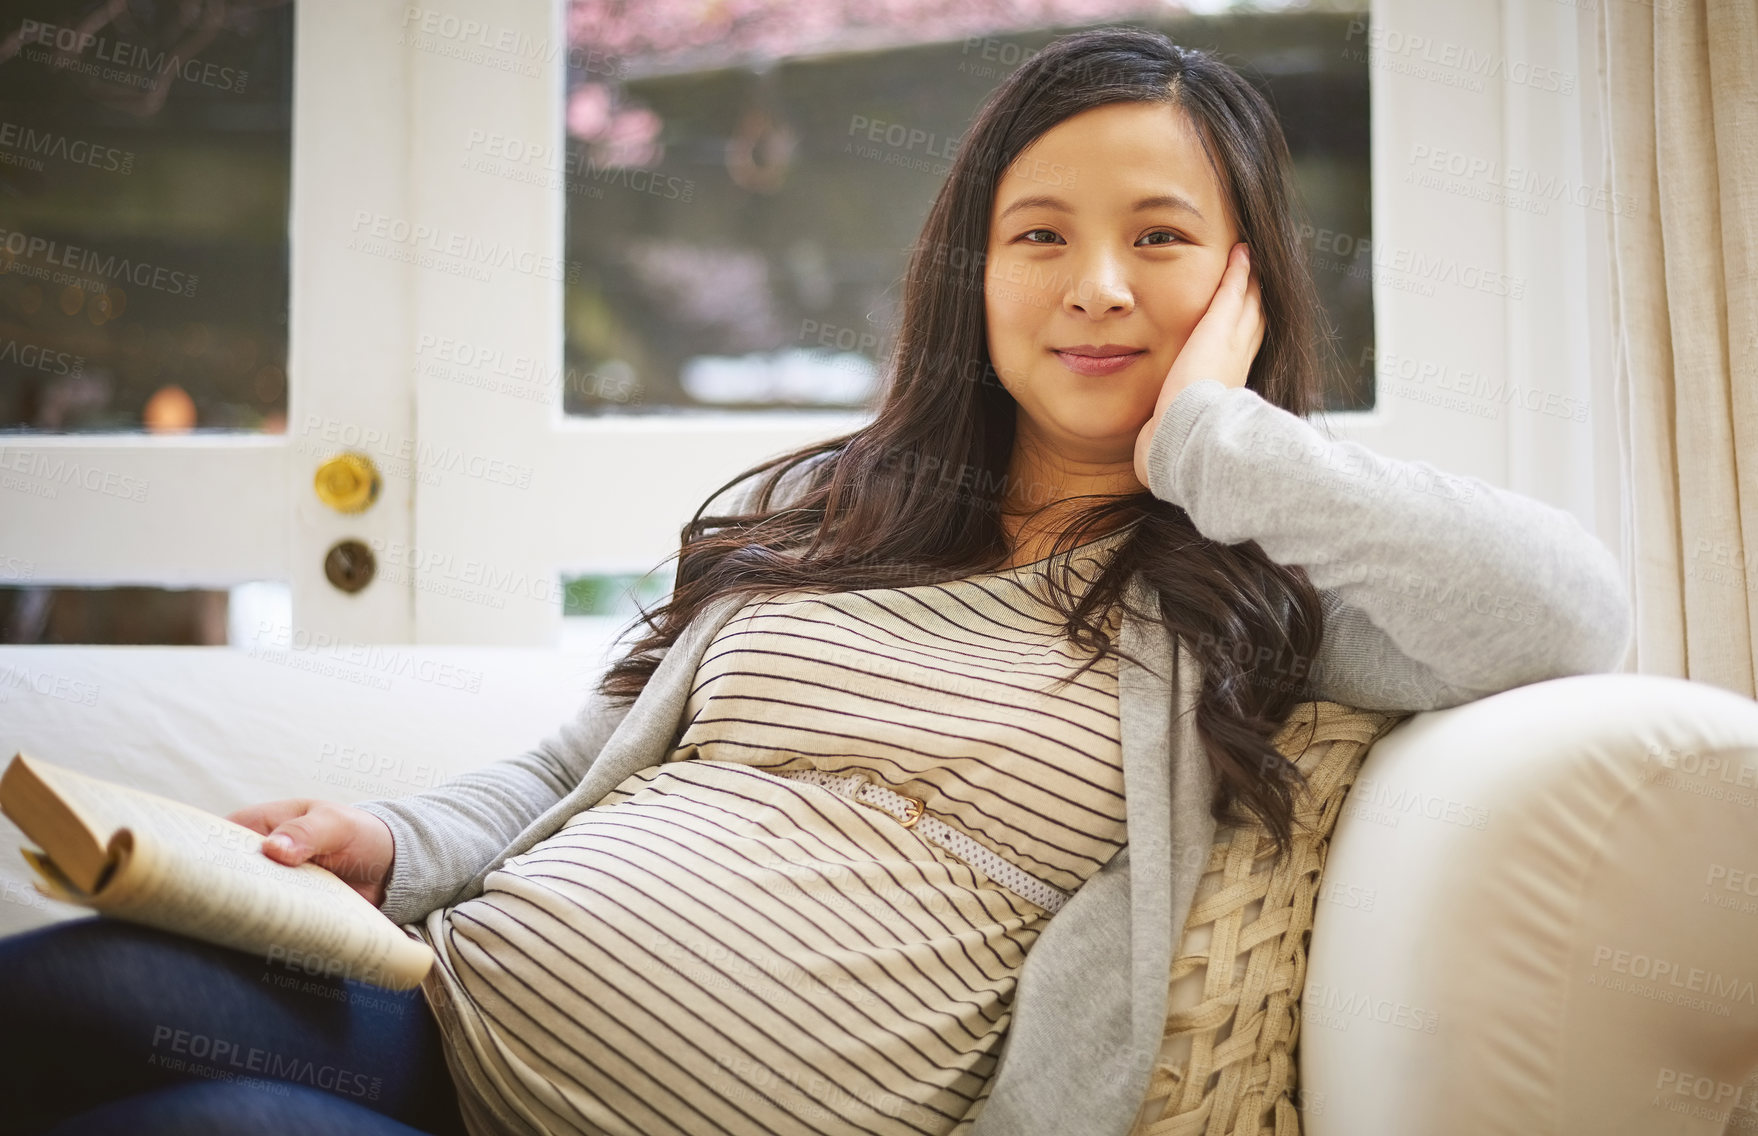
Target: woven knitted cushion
(1226, 1064)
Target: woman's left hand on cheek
(1221, 346)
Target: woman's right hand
(353, 844)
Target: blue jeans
(107, 1026)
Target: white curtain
(1679, 103)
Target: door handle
(348, 482)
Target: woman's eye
(1169, 237)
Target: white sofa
(1540, 912)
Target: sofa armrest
(1539, 915)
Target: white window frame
(1549, 338)
(1512, 84)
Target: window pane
(598, 608)
(740, 199)
(620, 595)
(144, 171)
(131, 615)
(259, 613)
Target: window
(144, 179)
(739, 204)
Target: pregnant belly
(727, 948)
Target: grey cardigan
(1437, 590)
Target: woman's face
(1110, 230)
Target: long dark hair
(915, 496)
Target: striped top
(716, 948)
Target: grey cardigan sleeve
(1437, 589)
(446, 835)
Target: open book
(152, 860)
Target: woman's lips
(1094, 365)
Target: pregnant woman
(843, 844)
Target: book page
(186, 870)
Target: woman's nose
(1099, 288)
